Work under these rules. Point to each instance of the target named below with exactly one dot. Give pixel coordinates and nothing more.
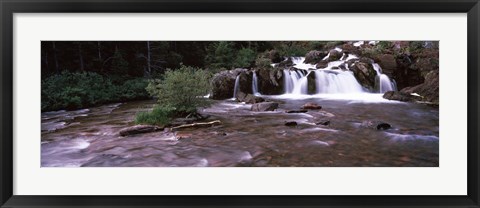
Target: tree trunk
(99, 51)
(80, 56)
(149, 69)
(55, 57)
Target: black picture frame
(9, 7)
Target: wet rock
(223, 84)
(183, 135)
(378, 125)
(291, 123)
(286, 63)
(323, 123)
(387, 62)
(139, 129)
(251, 99)
(296, 111)
(265, 106)
(383, 126)
(322, 64)
(334, 55)
(311, 106)
(364, 73)
(314, 56)
(270, 81)
(401, 96)
(274, 56)
(428, 91)
(349, 48)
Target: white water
(332, 82)
(237, 86)
(382, 82)
(255, 84)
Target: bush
(221, 55)
(263, 62)
(79, 90)
(245, 58)
(182, 89)
(160, 115)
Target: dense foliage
(179, 93)
(79, 90)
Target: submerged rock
(291, 123)
(248, 98)
(311, 106)
(296, 111)
(383, 126)
(265, 106)
(323, 123)
(139, 129)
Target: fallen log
(205, 124)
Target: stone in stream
(265, 106)
(291, 123)
(139, 129)
(248, 98)
(323, 123)
(296, 111)
(383, 126)
(312, 106)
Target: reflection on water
(90, 137)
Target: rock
(270, 81)
(334, 55)
(387, 62)
(265, 106)
(274, 56)
(311, 106)
(312, 84)
(183, 135)
(364, 73)
(428, 90)
(223, 84)
(322, 64)
(323, 123)
(245, 82)
(401, 96)
(291, 123)
(349, 48)
(314, 56)
(248, 98)
(139, 129)
(286, 63)
(296, 111)
(383, 126)
(378, 125)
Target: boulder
(428, 90)
(286, 63)
(401, 96)
(334, 55)
(311, 106)
(274, 56)
(349, 48)
(323, 123)
(322, 64)
(364, 73)
(377, 125)
(291, 123)
(312, 57)
(264, 106)
(383, 126)
(270, 81)
(245, 82)
(312, 86)
(387, 62)
(223, 84)
(249, 98)
(139, 129)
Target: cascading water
(382, 82)
(255, 84)
(331, 82)
(236, 87)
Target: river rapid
(89, 137)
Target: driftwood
(205, 124)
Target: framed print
(246, 104)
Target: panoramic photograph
(352, 103)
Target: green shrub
(245, 58)
(182, 89)
(79, 90)
(221, 55)
(263, 62)
(160, 115)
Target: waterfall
(331, 82)
(255, 84)
(237, 86)
(295, 82)
(382, 82)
